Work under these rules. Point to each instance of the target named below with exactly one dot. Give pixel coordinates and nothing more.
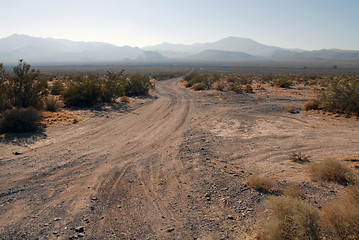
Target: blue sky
(305, 24)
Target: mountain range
(49, 51)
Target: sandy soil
(172, 167)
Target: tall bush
(113, 86)
(82, 91)
(4, 90)
(27, 87)
(138, 85)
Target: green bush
(27, 87)
(20, 120)
(138, 85)
(82, 91)
(248, 89)
(199, 86)
(342, 97)
(113, 86)
(57, 87)
(283, 83)
(4, 90)
(91, 90)
(235, 88)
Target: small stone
(94, 198)
(170, 229)
(57, 219)
(46, 224)
(230, 217)
(55, 233)
(17, 153)
(119, 206)
(207, 195)
(92, 208)
(80, 235)
(80, 229)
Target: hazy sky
(306, 24)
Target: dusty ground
(170, 167)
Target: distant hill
(222, 56)
(49, 51)
(334, 54)
(232, 44)
(150, 56)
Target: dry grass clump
(259, 183)
(292, 190)
(291, 218)
(333, 171)
(299, 158)
(53, 104)
(199, 86)
(124, 99)
(340, 218)
(312, 104)
(290, 109)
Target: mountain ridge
(62, 51)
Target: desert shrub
(248, 89)
(312, 104)
(292, 190)
(235, 88)
(187, 84)
(124, 99)
(27, 87)
(57, 87)
(340, 218)
(20, 120)
(333, 171)
(190, 76)
(219, 85)
(4, 90)
(283, 83)
(82, 91)
(199, 86)
(113, 86)
(291, 218)
(262, 184)
(299, 158)
(266, 78)
(138, 85)
(53, 103)
(244, 80)
(341, 96)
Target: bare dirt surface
(174, 167)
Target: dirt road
(171, 168)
